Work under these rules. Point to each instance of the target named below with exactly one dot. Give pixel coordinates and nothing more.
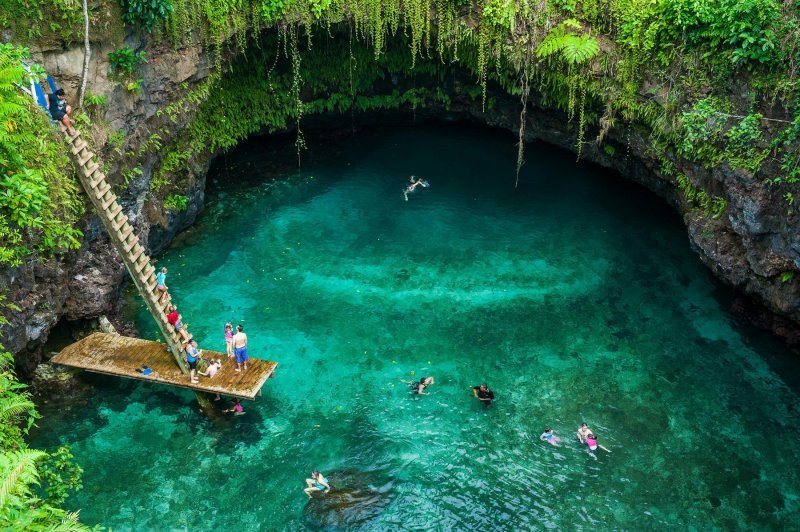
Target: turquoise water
(575, 296)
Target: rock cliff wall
(748, 247)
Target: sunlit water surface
(575, 296)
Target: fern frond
(18, 470)
(13, 406)
(579, 49)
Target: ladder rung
(135, 253)
(85, 159)
(124, 232)
(107, 203)
(99, 193)
(102, 189)
(141, 262)
(120, 223)
(128, 245)
(81, 144)
(112, 215)
(89, 170)
(96, 178)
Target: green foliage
(744, 31)
(712, 136)
(176, 202)
(124, 60)
(571, 48)
(274, 10)
(146, 13)
(24, 472)
(787, 277)
(712, 206)
(39, 202)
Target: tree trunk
(87, 53)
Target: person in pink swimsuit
(229, 339)
(591, 443)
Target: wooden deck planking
(116, 355)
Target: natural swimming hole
(575, 297)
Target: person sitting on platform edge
(192, 354)
(174, 319)
(483, 394)
(240, 348)
(59, 110)
(212, 369)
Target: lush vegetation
(39, 202)
(33, 484)
(707, 83)
(665, 65)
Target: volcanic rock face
(749, 247)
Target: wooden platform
(112, 354)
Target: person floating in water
(418, 387)
(237, 409)
(316, 483)
(591, 442)
(483, 394)
(583, 430)
(414, 183)
(550, 437)
(240, 348)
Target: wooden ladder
(125, 240)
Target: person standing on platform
(229, 339)
(192, 354)
(240, 348)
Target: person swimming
(419, 386)
(414, 183)
(591, 442)
(549, 436)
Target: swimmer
(583, 431)
(316, 483)
(591, 443)
(550, 437)
(418, 387)
(415, 182)
(237, 409)
(483, 394)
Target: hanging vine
(297, 81)
(525, 89)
